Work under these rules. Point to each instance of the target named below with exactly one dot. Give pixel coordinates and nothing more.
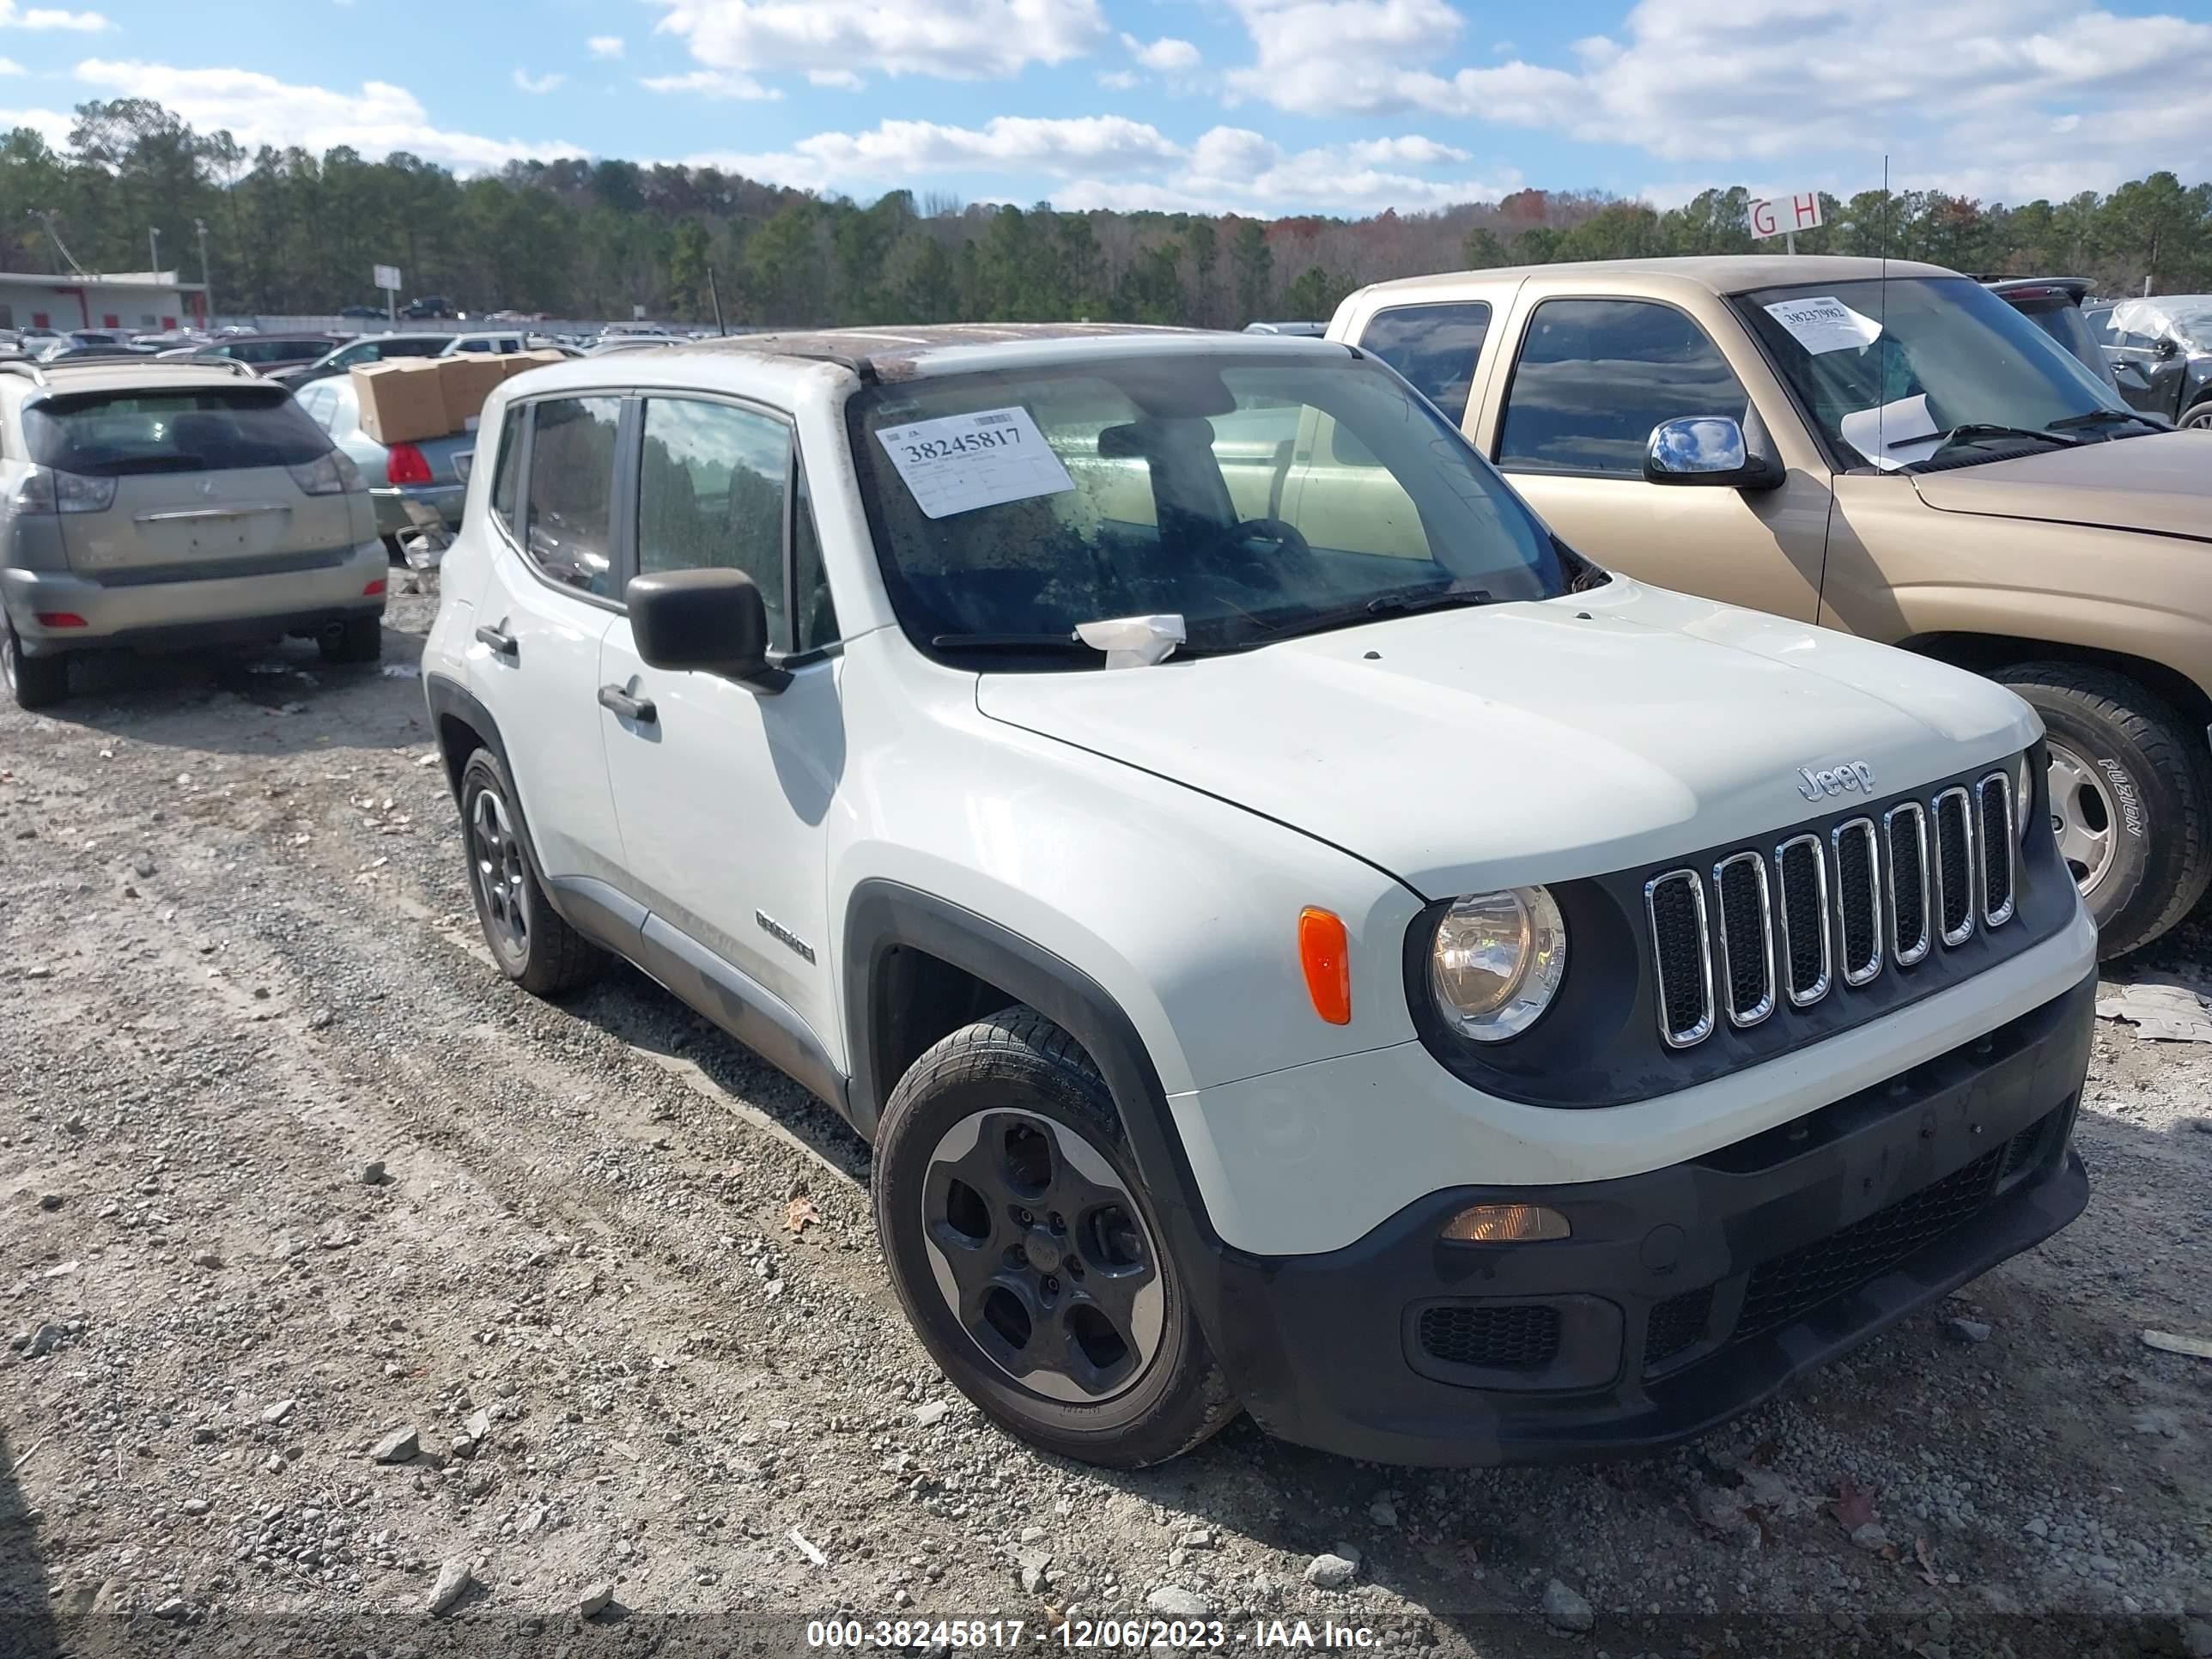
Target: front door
(723, 790)
(1590, 380)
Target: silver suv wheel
(2082, 818)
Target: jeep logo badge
(1840, 781)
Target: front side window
(1594, 378)
(710, 494)
(1010, 507)
(1435, 347)
(571, 468)
(207, 429)
(1889, 372)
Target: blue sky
(1261, 106)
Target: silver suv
(147, 504)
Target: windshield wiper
(1063, 644)
(2099, 417)
(1971, 431)
(1434, 599)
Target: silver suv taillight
(45, 491)
(331, 473)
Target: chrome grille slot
(1954, 865)
(1911, 919)
(1858, 899)
(1994, 847)
(1747, 936)
(1682, 954)
(1802, 874)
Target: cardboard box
(401, 400)
(521, 363)
(467, 378)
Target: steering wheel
(1249, 572)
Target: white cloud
(1746, 84)
(259, 109)
(50, 124)
(715, 84)
(1165, 55)
(537, 85)
(1105, 161)
(608, 47)
(46, 17)
(956, 40)
(840, 80)
(1118, 80)
(9, 66)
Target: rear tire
(532, 945)
(1012, 1215)
(2200, 417)
(359, 639)
(33, 682)
(2131, 800)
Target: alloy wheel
(2082, 818)
(1042, 1256)
(2200, 417)
(495, 865)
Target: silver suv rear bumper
(143, 613)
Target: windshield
(1252, 497)
(1885, 370)
(207, 430)
(2061, 319)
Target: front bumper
(302, 594)
(392, 518)
(1687, 1294)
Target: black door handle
(640, 710)
(504, 644)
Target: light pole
(153, 248)
(207, 280)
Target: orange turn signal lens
(1326, 955)
(1506, 1224)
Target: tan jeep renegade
(1908, 460)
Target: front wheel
(2199, 418)
(2131, 798)
(1028, 1256)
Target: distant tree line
(292, 232)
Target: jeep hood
(2160, 484)
(1531, 741)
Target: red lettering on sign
(1806, 209)
(1762, 219)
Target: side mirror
(2167, 347)
(1706, 449)
(711, 621)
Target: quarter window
(711, 494)
(1435, 347)
(509, 475)
(813, 614)
(1596, 375)
(571, 468)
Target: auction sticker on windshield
(961, 462)
(1824, 323)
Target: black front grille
(1677, 932)
(1804, 918)
(1741, 883)
(1792, 1286)
(1520, 1336)
(1997, 845)
(1954, 865)
(1858, 900)
(1911, 932)
(1677, 1324)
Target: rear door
(1589, 380)
(552, 591)
(201, 477)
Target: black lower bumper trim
(1684, 1297)
(226, 631)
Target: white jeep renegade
(1297, 934)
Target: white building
(130, 300)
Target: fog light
(1506, 1224)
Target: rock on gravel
(594, 1600)
(1330, 1571)
(929, 1413)
(1036, 1568)
(46, 1340)
(370, 1174)
(1966, 1332)
(1565, 1609)
(1173, 1602)
(454, 1581)
(396, 1447)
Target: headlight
(1497, 962)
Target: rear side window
(509, 476)
(1435, 347)
(572, 469)
(815, 616)
(321, 402)
(1596, 375)
(107, 434)
(711, 493)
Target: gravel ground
(357, 1303)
